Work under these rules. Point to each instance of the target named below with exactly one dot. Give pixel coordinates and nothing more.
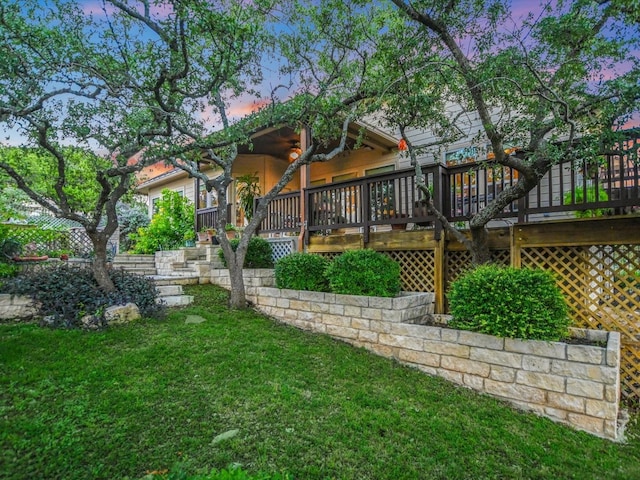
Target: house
(267, 160)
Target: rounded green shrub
(259, 253)
(509, 302)
(364, 272)
(302, 271)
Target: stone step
(139, 271)
(127, 259)
(169, 290)
(174, 280)
(176, 300)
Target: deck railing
(611, 184)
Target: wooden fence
(596, 262)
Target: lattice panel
(281, 247)
(417, 269)
(602, 286)
(457, 262)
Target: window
(344, 176)
(320, 181)
(462, 156)
(385, 169)
(206, 199)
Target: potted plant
(203, 235)
(230, 230)
(248, 191)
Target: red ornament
(402, 145)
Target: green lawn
(147, 396)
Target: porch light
(295, 152)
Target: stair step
(176, 300)
(145, 259)
(169, 290)
(139, 271)
(175, 280)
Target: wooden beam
(402, 240)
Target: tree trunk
(480, 246)
(238, 298)
(99, 265)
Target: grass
(147, 396)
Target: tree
(199, 56)
(52, 95)
(558, 86)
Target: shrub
(364, 272)
(169, 228)
(259, 253)
(68, 293)
(509, 302)
(302, 271)
(591, 197)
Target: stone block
(342, 332)
(401, 341)
(503, 374)
(319, 307)
(612, 393)
(449, 335)
(585, 388)
(410, 330)
(336, 309)
(446, 348)
(382, 350)
(380, 327)
(371, 313)
(312, 296)
(473, 381)
(6, 300)
(613, 349)
(290, 294)
(455, 377)
(587, 423)
(480, 340)
(611, 429)
(283, 303)
(419, 358)
(515, 391)
(300, 305)
(601, 409)
(538, 348)
(555, 413)
(567, 402)
(584, 371)
(352, 310)
(536, 364)
(392, 316)
(354, 300)
(267, 301)
(545, 381)
(465, 366)
(496, 357)
(361, 324)
(428, 370)
(120, 314)
(381, 303)
(338, 320)
(368, 336)
(413, 314)
(270, 292)
(585, 354)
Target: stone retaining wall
(578, 385)
(16, 307)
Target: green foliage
(69, 292)
(169, 228)
(302, 271)
(509, 302)
(131, 217)
(232, 473)
(259, 253)
(592, 196)
(364, 272)
(248, 190)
